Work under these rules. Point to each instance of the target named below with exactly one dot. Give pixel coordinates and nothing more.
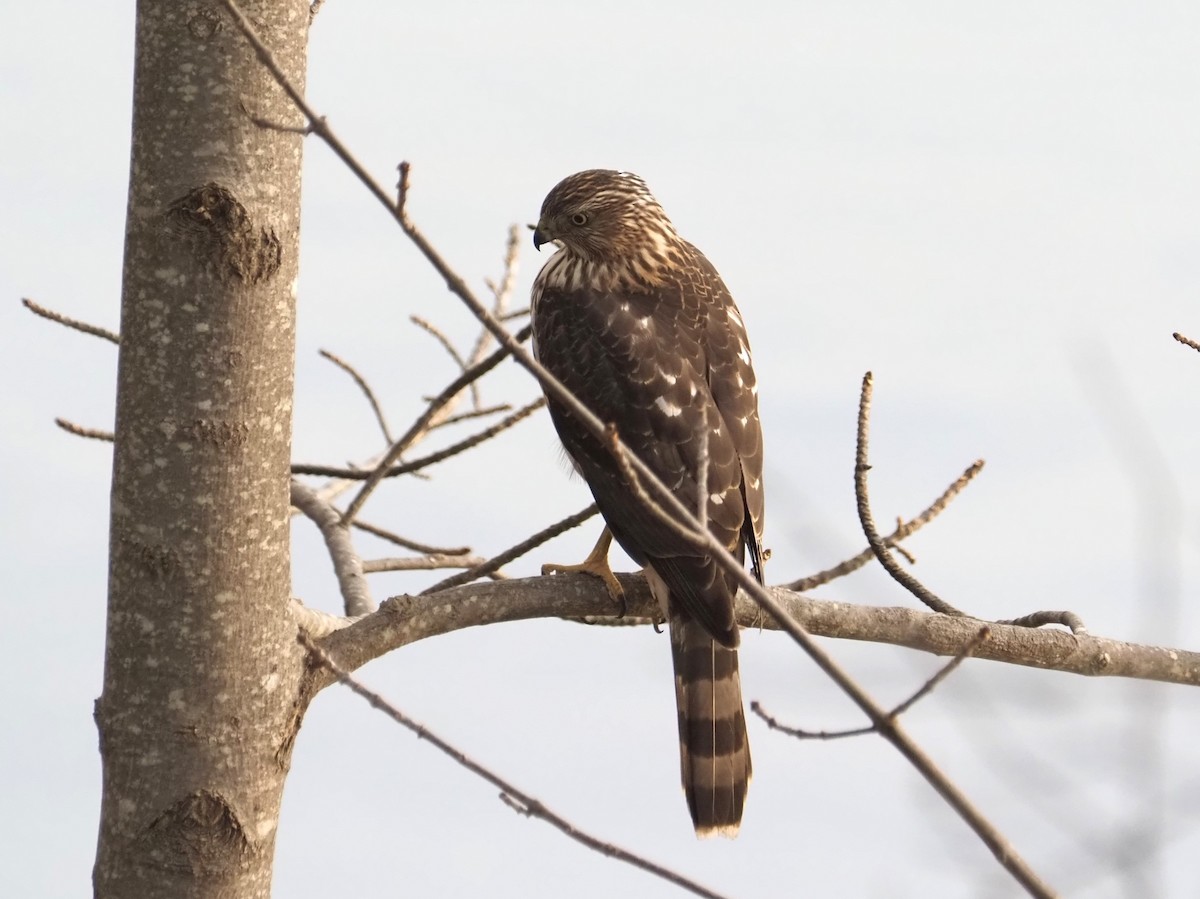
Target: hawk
(638, 325)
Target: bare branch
(440, 336)
(80, 431)
(402, 620)
(1004, 853)
(924, 690)
(316, 623)
(514, 552)
(1186, 341)
(53, 316)
(431, 562)
(356, 594)
(516, 798)
(501, 293)
(881, 549)
(878, 546)
(422, 423)
(481, 412)
(409, 544)
(364, 387)
(417, 464)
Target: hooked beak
(541, 234)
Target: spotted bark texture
(201, 679)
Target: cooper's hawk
(638, 325)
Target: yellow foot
(596, 564)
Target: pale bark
(199, 706)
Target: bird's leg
(596, 564)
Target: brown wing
(670, 368)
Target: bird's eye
(579, 218)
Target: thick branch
(406, 619)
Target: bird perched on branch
(638, 325)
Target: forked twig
(514, 797)
(903, 530)
(924, 690)
(881, 550)
(441, 455)
(421, 424)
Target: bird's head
(604, 216)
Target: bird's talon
(596, 564)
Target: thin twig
(903, 530)
(440, 336)
(441, 455)
(1186, 341)
(94, 330)
(409, 544)
(863, 504)
(364, 387)
(431, 562)
(501, 294)
(924, 690)
(516, 798)
(947, 669)
(882, 551)
(514, 552)
(421, 424)
(482, 412)
(356, 594)
(80, 431)
(1004, 853)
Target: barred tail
(713, 748)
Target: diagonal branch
(1004, 853)
(1186, 341)
(514, 552)
(410, 544)
(364, 387)
(924, 690)
(422, 423)
(417, 464)
(514, 797)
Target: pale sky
(993, 207)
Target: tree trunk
(199, 706)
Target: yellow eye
(579, 218)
